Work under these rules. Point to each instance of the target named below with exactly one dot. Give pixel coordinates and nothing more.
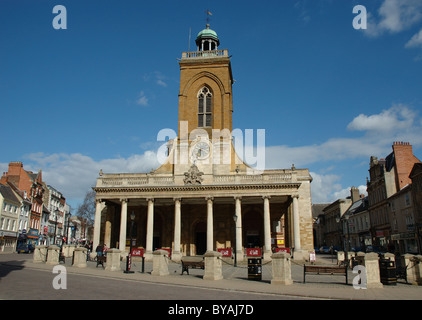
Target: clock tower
(205, 111)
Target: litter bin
(388, 272)
(255, 269)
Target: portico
(191, 219)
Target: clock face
(200, 150)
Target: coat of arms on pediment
(193, 176)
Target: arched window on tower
(204, 107)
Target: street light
(235, 243)
(347, 244)
(55, 226)
(129, 256)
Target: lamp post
(129, 256)
(347, 242)
(235, 243)
(55, 226)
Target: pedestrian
(99, 250)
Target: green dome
(207, 33)
(211, 36)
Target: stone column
(40, 253)
(409, 261)
(150, 229)
(213, 266)
(298, 254)
(282, 270)
(210, 224)
(267, 228)
(418, 269)
(79, 260)
(113, 260)
(372, 268)
(239, 240)
(97, 223)
(176, 256)
(123, 226)
(53, 254)
(159, 263)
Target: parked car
(377, 250)
(25, 248)
(325, 249)
(336, 249)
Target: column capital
(209, 198)
(237, 197)
(295, 196)
(149, 199)
(177, 199)
(124, 200)
(98, 201)
(266, 197)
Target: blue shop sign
(33, 233)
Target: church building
(204, 197)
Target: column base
(176, 256)
(299, 255)
(148, 256)
(239, 256)
(267, 255)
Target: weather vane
(208, 16)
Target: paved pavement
(236, 279)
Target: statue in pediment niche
(193, 176)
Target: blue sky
(94, 96)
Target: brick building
(31, 185)
(388, 178)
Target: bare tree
(86, 210)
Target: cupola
(207, 39)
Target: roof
(8, 193)
(207, 33)
(358, 206)
(317, 209)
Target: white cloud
(161, 83)
(142, 100)
(415, 41)
(324, 186)
(398, 123)
(395, 16)
(344, 193)
(74, 174)
(397, 117)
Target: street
(20, 282)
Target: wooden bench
(324, 270)
(193, 264)
(101, 260)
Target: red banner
(253, 252)
(137, 252)
(227, 252)
(287, 250)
